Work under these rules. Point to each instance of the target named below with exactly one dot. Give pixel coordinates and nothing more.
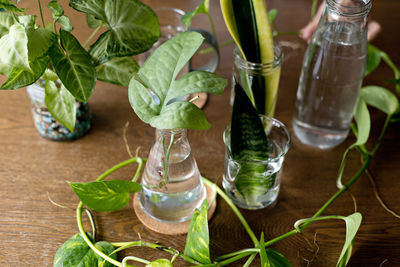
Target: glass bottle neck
(167, 133)
(349, 10)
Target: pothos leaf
(61, 104)
(76, 253)
(272, 13)
(160, 263)
(74, 67)
(153, 88)
(197, 241)
(105, 195)
(363, 121)
(132, 27)
(380, 98)
(277, 259)
(118, 70)
(373, 59)
(203, 8)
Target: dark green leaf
(8, 5)
(277, 259)
(203, 8)
(272, 15)
(92, 22)
(197, 241)
(380, 98)
(61, 104)
(105, 195)
(373, 59)
(76, 253)
(132, 27)
(40, 42)
(153, 88)
(74, 67)
(118, 70)
(160, 263)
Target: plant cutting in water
(49, 52)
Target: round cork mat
(170, 228)
(201, 101)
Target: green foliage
(203, 8)
(154, 87)
(61, 104)
(75, 252)
(118, 70)
(197, 241)
(272, 15)
(8, 5)
(105, 195)
(380, 98)
(270, 257)
(373, 59)
(73, 66)
(160, 263)
(132, 27)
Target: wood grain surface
(32, 228)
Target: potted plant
(59, 72)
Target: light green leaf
(61, 104)
(74, 67)
(14, 50)
(6, 21)
(203, 8)
(29, 23)
(19, 78)
(75, 252)
(263, 255)
(105, 195)
(380, 98)
(272, 15)
(65, 23)
(270, 257)
(353, 222)
(92, 22)
(181, 114)
(49, 75)
(132, 27)
(160, 263)
(363, 121)
(55, 8)
(197, 240)
(196, 82)
(118, 70)
(8, 5)
(373, 59)
(153, 88)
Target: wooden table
(34, 169)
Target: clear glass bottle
(172, 185)
(332, 73)
(47, 125)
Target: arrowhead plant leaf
(154, 89)
(134, 30)
(118, 70)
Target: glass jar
(253, 183)
(171, 181)
(332, 73)
(47, 125)
(262, 78)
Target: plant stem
(166, 156)
(41, 13)
(380, 138)
(250, 260)
(235, 210)
(226, 256)
(133, 258)
(233, 259)
(119, 166)
(139, 168)
(209, 50)
(214, 32)
(93, 34)
(313, 9)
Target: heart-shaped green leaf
(363, 121)
(132, 27)
(160, 263)
(58, 15)
(353, 222)
(61, 104)
(154, 86)
(14, 50)
(118, 70)
(105, 195)
(197, 240)
(373, 59)
(74, 66)
(380, 98)
(75, 252)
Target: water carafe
(332, 73)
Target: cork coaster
(201, 101)
(170, 228)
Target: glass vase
(171, 181)
(260, 78)
(47, 125)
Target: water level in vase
(175, 201)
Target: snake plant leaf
(105, 195)
(380, 98)
(75, 252)
(10, 6)
(202, 8)
(180, 114)
(160, 263)
(197, 240)
(154, 86)
(132, 27)
(373, 59)
(74, 66)
(118, 70)
(14, 50)
(61, 104)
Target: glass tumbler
(255, 184)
